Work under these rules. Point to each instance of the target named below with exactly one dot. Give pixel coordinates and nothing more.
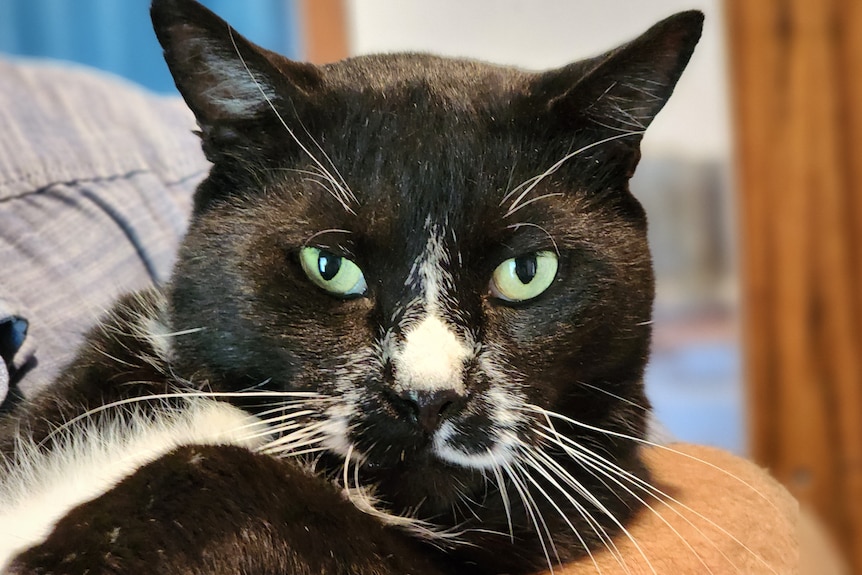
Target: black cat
(406, 332)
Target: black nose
(429, 408)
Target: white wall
(539, 34)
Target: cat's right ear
(225, 79)
(621, 91)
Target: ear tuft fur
(223, 77)
(623, 90)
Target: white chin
(500, 454)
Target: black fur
(428, 146)
(218, 510)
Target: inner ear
(222, 76)
(623, 90)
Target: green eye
(335, 274)
(524, 277)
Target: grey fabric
(96, 177)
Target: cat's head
(446, 249)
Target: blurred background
(750, 176)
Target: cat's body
(427, 280)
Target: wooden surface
(325, 30)
(796, 73)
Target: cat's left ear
(225, 79)
(623, 90)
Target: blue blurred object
(116, 35)
(696, 392)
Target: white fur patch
(232, 88)
(505, 406)
(159, 337)
(432, 355)
(40, 487)
(502, 452)
(432, 276)
(336, 430)
(431, 358)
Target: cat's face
(446, 251)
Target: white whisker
(519, 187)
(597, 528)
(342, 195)
(322, 232)
(615, 396)
(606, 468)
(295, 453)
(537, 409)
(600, 464)
(534, 514)
(552, 466)
(297, 438)
(175, 333)
(364, 502)
(664, 498)
(562, 514)
(535, 180)
(164, 397)
(526, 203)
(547, 233)
(345, 187)
(501, 487)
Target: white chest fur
(40, 487)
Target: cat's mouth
(473, 439)
(489, 451)
(423, 482)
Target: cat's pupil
(328, 265)
(525, 268)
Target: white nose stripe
(431, 358)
